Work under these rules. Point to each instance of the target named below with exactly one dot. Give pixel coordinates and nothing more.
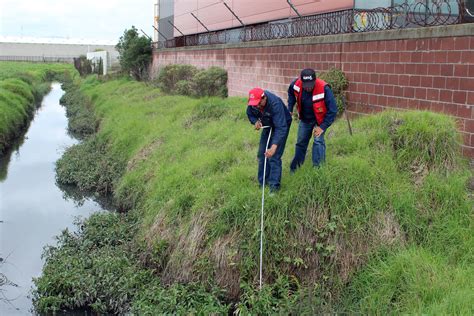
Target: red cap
(255, 95)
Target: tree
(135, 53)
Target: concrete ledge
(411, 33)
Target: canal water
(33, 210)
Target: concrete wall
(426, 68)
(32, 51)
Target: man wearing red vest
(317, 110)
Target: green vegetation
(81, 118)
(135, 53)
(22, 86)
(385, 226)
(338, 82)
(190, 81)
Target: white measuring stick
(263, 203)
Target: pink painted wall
(215, 15)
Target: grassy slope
(380, 228)
(21, 86)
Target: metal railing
(407, 15)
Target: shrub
(338, 82)
(211, 82)
(188, 80)
(170, 75)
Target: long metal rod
(175, 28)
(146, 34)
(228, 8)
(263, 205)
(293, 7)
(200, 21)
(160, 33)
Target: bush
(211, 82)
(188, 80)
(170, 75)
(338, 82)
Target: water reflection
(32, 208)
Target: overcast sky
(86, 19)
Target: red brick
(380, 68)
(426, 82)
(390, 46)
(402, 103)
(388, 90)
(453, 83)
(459, 97)
(447, 70)
(467, 57)
(471, 43)
(470, 98)
(414, 81)
(405, 57)
(471, 71)
(420, 93)
(384, 79)
(440, 57)
(427, 57)
(408, 92)
(372, 99)
(422, 44)
(398, 91)
(466, 84)
(469, 126)
(461, 43)
(411, 45)
(435, 43)
(461, 70)
(437, 107)
(451, 109)
(434, 70)
(464, 111)
(382, 100)
(447, 43)
(421, 69)
(468, 151)
(403, 80)
(370, 88)
(378, 89)
(439, 82)
(416, 57)
(389, 68)
(432, 94)
(454, 57)
(446, 96)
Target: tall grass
(22, 86)
(337, 238)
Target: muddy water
(32, 208)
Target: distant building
(52, 50)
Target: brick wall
(426, 69)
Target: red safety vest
(319, 106)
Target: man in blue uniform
(317, 110)
(266, 109)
